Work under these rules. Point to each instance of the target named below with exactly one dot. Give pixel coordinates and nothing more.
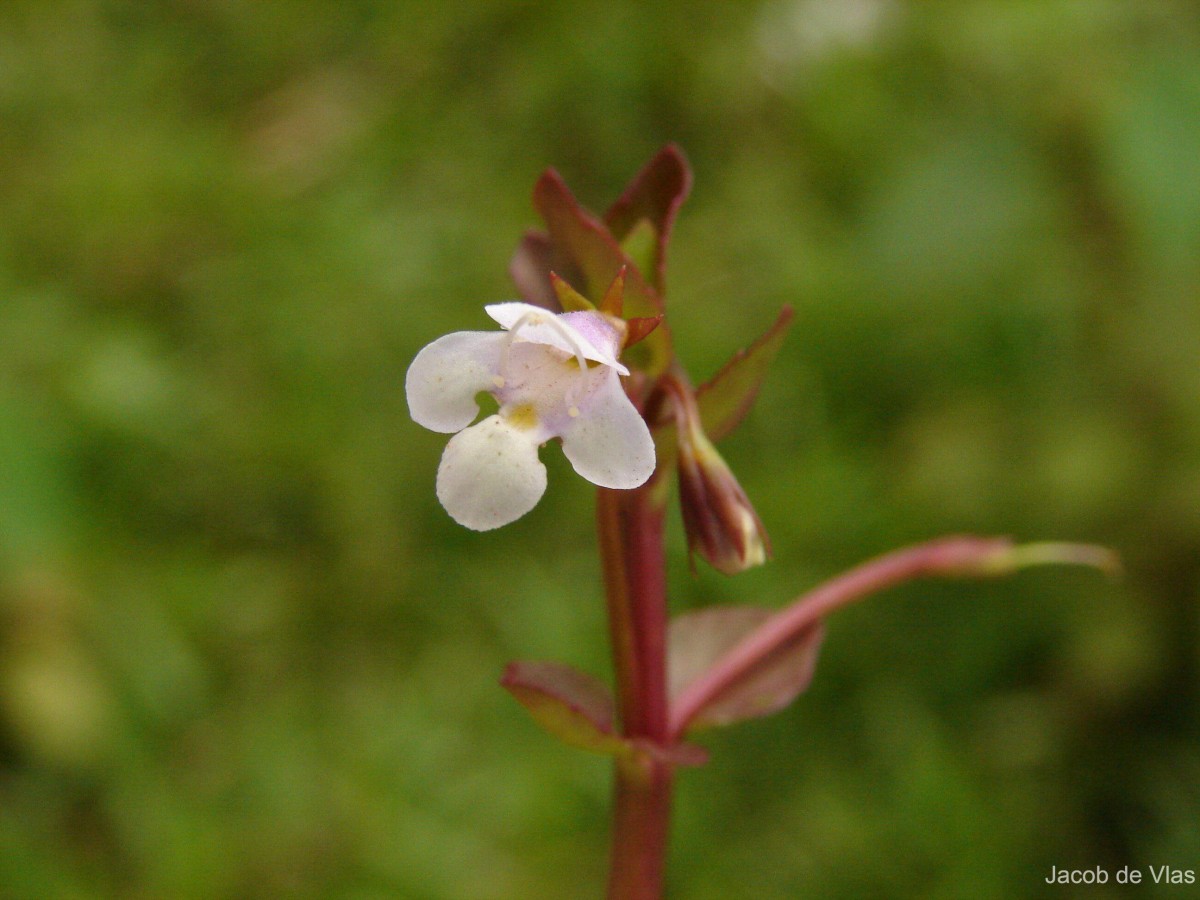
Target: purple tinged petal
(596, 338)
(596, 329)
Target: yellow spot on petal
(522, 416)
(573, 412)
(498, 380)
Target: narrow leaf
(697, 640)
(614, 298)
(569, 298)
(726, 398)
(569, 704)
(530, 270)
(653, 196)
(638, 329)
(580, 242)
(704, 677)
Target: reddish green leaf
(578, 710)
(614, 298)
(653, 197)
(530, 270)
(569, 704)
(725, 399)
(698, 640)
(576, 236)
(639, 329)
(581, 243)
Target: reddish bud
(721, 524)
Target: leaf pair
(728, 664)
(578, 709)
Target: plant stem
(641, 823)
(630, 525)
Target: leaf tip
(1042, 553)
(569, 298)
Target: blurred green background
(244, 653)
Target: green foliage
(244, 653)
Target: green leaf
(698, 640)
(641, 245)
(571, 705)
(725, 399)
(569, 298)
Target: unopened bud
(721, 524)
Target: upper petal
(446, 375)
(596, 329)
(490, 475)
(609, 443)
(591, 332)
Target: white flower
(553, 376)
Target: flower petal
(609, 443)
(598, 331)
(490, 475)
(596, 338)
(446, 375)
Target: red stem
(630, 525)
(641, 823)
